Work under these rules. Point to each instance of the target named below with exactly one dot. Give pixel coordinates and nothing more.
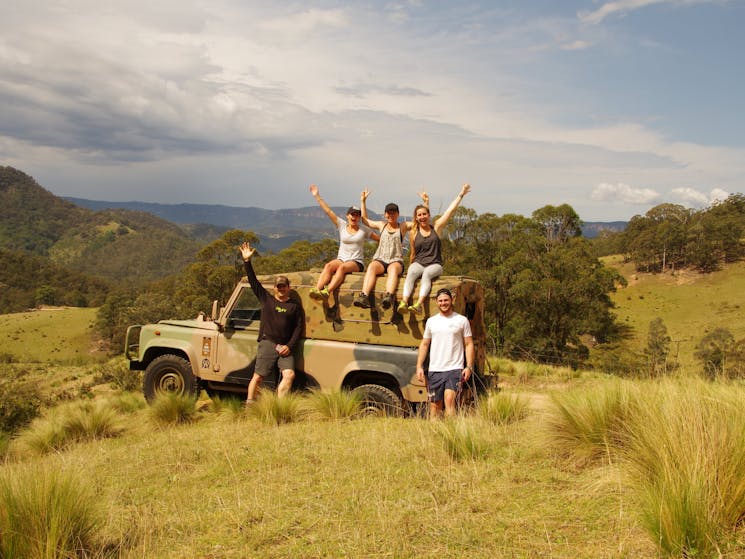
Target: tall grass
(334, 405)
(501, 408)
(462, 439)
(71, 423)
(686, 458)
(276, 411)
(590, 423)
(173, 409)
(47, 513)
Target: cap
(391, 207)
(280, 280)
(354, 210)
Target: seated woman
(352, 237)
(388, 257)
(426, 256)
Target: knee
(288, 374)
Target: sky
(611, 107)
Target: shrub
(20, 402)
(339, 404)
(47, 513)
(116, 372)
(173, 409)
(500, 408)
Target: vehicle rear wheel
(379, 401)
(169, 374)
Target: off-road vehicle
(344, 347)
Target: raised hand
(246, 251)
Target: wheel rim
(171, 382)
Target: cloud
(620, 192)
(696, 198)
(623, 7)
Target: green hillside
(50, 335)
(120, 245)
(691, 304)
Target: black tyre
(169, 374)
(380, 401)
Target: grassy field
(230, 487)
(689, 303)
(50, 335)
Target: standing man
(282, 321)
(447, 336)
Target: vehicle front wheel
(169, 374)
(379, 401)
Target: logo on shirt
(280, 309)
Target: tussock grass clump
(500, 408)
(128, 402)
(462, 439)
(173, 409)
(71, 423)
(46, 513)
(335, 405)
(116, 372)
(233, 405)
(590, 423)
(276, 411)
(686, 459)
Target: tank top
(389, 249)
(427, 249)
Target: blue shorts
(439, 381)
(267, 357)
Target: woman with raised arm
(426, 256)
(352, 237)
(388, 257)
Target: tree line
(547, 295)
(670, 237)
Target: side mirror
(215, 310)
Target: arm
(443, 219)
(324, 206)
(421, 356)
(407, 225)
(297, 331)
(470, 357)
(363, 209)
(246, 253)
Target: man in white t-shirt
(447, 337)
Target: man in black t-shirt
(282, 320)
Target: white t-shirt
(446, 348)
(351, 245)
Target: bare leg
(288, 375)
(327, 273)
(253, 386)
(450, 402)
(435, 410)
(374, 269)
(341, 272)
(394, 273)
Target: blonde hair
(414, 230)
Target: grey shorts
(267, 357)
(439, 381)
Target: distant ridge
(277, 228)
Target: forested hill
(123, 246)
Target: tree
(713, 349)
(657, 351)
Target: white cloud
(620, 192)
(623, 7)
(696, 198)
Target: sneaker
(387, 301)
(402, 307)
(324, 293)
(415, 309)
(315, 293)
(363, 301)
